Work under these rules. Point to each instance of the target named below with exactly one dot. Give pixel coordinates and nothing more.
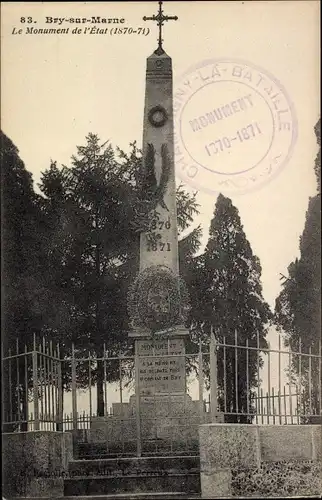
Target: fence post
(137, 401)
(320, 381)
(3, 389)
(74, 395)
(213, 377)
(35, 385)
(60, 417)
(201, 404)
(105, 383)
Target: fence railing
(270, 385)
(32, 387)
(237, 381)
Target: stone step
(158, 496)
(150, 496)
(134, 465)
(100, 485)
(156, 448)
(173, 495)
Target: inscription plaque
(161, 374)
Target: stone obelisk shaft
(158, 136)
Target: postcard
(160, 217)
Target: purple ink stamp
(235, 126)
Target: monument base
(161, 413)
(168, 423)
(171, 417)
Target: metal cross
(160, 18)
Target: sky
(56, 88)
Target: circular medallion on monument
(157, 299)
(157, 116)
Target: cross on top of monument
(160, 18)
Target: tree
(227, 297)
(21, 267)
(297, 308)
(95, 213)
(317, 163)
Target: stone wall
(260, 460)
(34, 462)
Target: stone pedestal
(160, 412)
(168, 416)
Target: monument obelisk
(158, 154)
(158, 299)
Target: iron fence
(225, 380)
(32, 387)
(270, 385)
